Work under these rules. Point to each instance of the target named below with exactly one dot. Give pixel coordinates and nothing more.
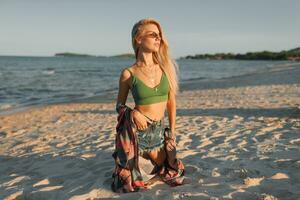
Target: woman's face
(150, 38)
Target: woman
(153, 82)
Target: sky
(46, 27)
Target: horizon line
(133, 54)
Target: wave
(48, 72)
(6, 106)
(193, 79)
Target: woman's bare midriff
(155, 111)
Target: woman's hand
(170, 140)
(140, 120)
(171, 144)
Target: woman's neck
(145, 60)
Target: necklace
(150, 75)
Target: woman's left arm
(171, 108)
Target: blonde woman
(153, 82)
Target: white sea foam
(6, 106)
(49, 72)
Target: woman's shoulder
(127, 74)
(129, 70)
(126, 71)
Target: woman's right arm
(139, 119)
(123, 88)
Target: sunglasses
(153, 35)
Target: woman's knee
(158, 156)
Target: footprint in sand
(280, 176)
(3, 134)
(253, 181)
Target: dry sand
(239, 138)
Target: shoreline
(292, 71)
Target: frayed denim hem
(148, 150)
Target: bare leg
(158, 156)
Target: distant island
(68, 54)
(293, 55)
(126, 55)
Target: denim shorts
(151, 138)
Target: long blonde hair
(162, 57)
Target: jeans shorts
(152, 138)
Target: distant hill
(293, 55)
(126, 55)
(296, 50)
(69, 54)
(73, 55)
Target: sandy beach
(238, 137)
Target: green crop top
(143, 94)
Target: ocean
(32, 81)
